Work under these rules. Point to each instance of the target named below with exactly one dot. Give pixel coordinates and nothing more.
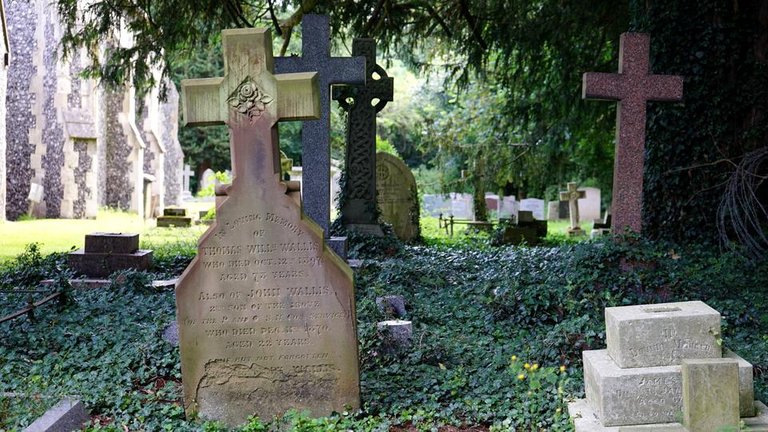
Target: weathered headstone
(633, 86)
(461, 206)
(553, 210)
(106, 253)
(589, 206)
(711, 395)
(640, 379)
(435, 205)
(572, 196)
(396, 196)
(492, 202)
(315, 134)
(508, 207)
(362, 102)
(187, 173)
(207, 179)
(266, 312)
(535, 206)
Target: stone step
(585, 419)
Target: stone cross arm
(205, 99)
(634, 80)
(608, 86)
(248, 86)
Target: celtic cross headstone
(362, 102)
(266, 312)
(633, 86)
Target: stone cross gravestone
(572, 196)
(315, 134)
(266, 312)
(187, 173)
(362, 102)
(397, 196)
(632, 87)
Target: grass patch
(64, 235)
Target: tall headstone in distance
(572, 196)
(266, 312)
(362, 102)
(397, 196)
(633, 86)
(315, 134)
(207, 179)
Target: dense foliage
(492, 328)
(721, 48)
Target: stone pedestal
(106, 253)
(663, 366)
(174, 217)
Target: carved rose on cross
(250, 100)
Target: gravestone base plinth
(338, 245)
(585, 419)
(574, 232)
(368, 229)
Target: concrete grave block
(585, 419)
(662, 334)
(66, 416)
(711, 394)
(397, 335)
(746, 385)
(174, 211)
(524, 216)
(631, 396)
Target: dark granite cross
(632, 87)
(362, 102)
(315, 135)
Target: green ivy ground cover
(498, 334)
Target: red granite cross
(632, 87)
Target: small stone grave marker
(535, 206)
(106, 253)
(174, 217)
(266, 311)
(397, 196)
(207, 179)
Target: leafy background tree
(514, 67)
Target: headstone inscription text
(265, 311)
